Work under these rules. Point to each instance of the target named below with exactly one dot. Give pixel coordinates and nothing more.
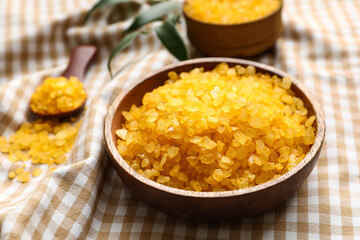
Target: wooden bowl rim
(233, 24)
(320, 132)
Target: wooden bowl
(209, 205)
(235, 40)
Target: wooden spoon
(80, 58)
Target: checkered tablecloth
(85, 198)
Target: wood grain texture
(209, 205)
(235, 40)
(80, 59)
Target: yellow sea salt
(224, 129)
(56, 95)
(229, 11)
(12, 175)
(53, 169)
(36, 172)
(19, 171)
(23, 177)
(41, 142)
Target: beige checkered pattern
(84, 198)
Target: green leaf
(171, 39)
(174, 18)
(104, 3)
(152, 2)
(126, 41)
(154, 13)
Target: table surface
(84, 197)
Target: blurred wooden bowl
(209, 205)
(235, 40)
